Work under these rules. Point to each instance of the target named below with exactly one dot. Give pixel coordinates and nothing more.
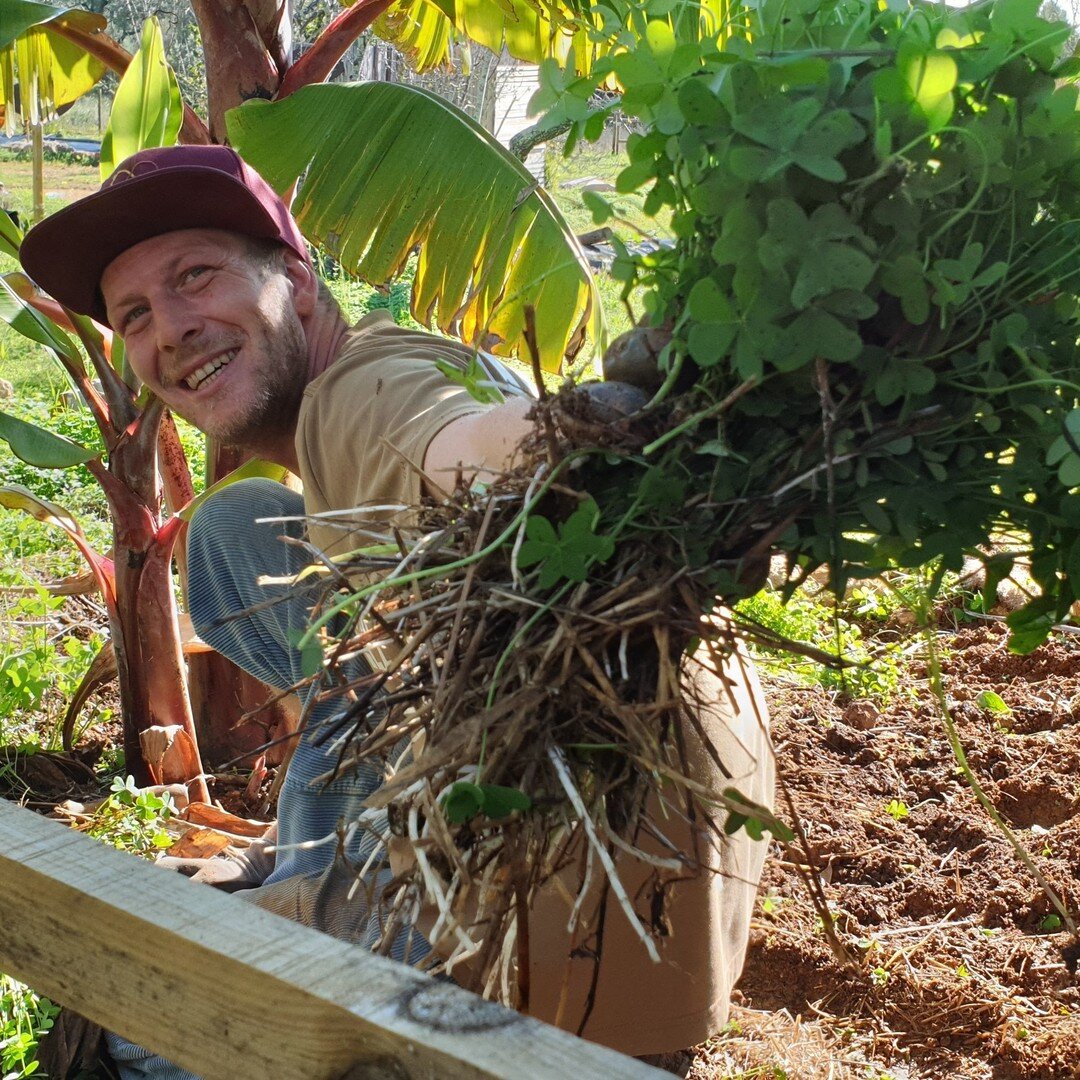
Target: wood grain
(232, 992)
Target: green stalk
(937, 686)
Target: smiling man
(210, 327)
(197, 264)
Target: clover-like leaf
(569, 552)
(755, 818)
(462, 802)
(500, 802)
(830, 266)
(1064, 451)
(992, 702)
(466, 800)
(310, 647)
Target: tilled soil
(959, 965)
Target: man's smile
(208, 371)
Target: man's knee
(229, 545)
(228, 517)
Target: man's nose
(176, 322)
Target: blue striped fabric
(227, 553)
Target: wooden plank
(232, 992)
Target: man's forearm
(481, 444)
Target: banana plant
(407, 169)
(40, 72)
(146, 466)
(246, 44)
(136, 582)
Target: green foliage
(147, 109)
(74, 489)
(568, 552)
(39, 447)
(357, 297)
(478, 270)
(466, 800)
(474, 379)
(993, 703)
(37, 661)
(874, 669)
(754, 818)
(131, 819)
(584, 210)
(875, 211)
(24, 1018)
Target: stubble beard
(272, 413)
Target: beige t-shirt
(384, 390)
(366, 422)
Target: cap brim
(67, 252)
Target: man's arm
(480, 443)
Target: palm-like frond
(39, 69)
(388, 168)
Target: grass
(64, 181)
(592, 161)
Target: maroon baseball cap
(152, 192)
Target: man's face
(212, 328)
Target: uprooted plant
(865, 336)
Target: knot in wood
(443, 1007)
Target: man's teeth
(197, 378)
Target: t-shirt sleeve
(365, 431)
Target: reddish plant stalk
(317, 63)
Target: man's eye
(194, 272)
(132, 316)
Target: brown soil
(959, 970)
(960, 967)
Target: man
(195, 262)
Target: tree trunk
(37, 170)
(245, 45)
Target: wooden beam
(233, 992)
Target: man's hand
(230, 873)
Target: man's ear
(305, 285)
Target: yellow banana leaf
(389, 167)
(40, 71)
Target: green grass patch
(591, 161)
(875, 667)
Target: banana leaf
(387, 168)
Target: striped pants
(229, 549)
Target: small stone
(7, 391)
(845, 739)
(861, 715)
